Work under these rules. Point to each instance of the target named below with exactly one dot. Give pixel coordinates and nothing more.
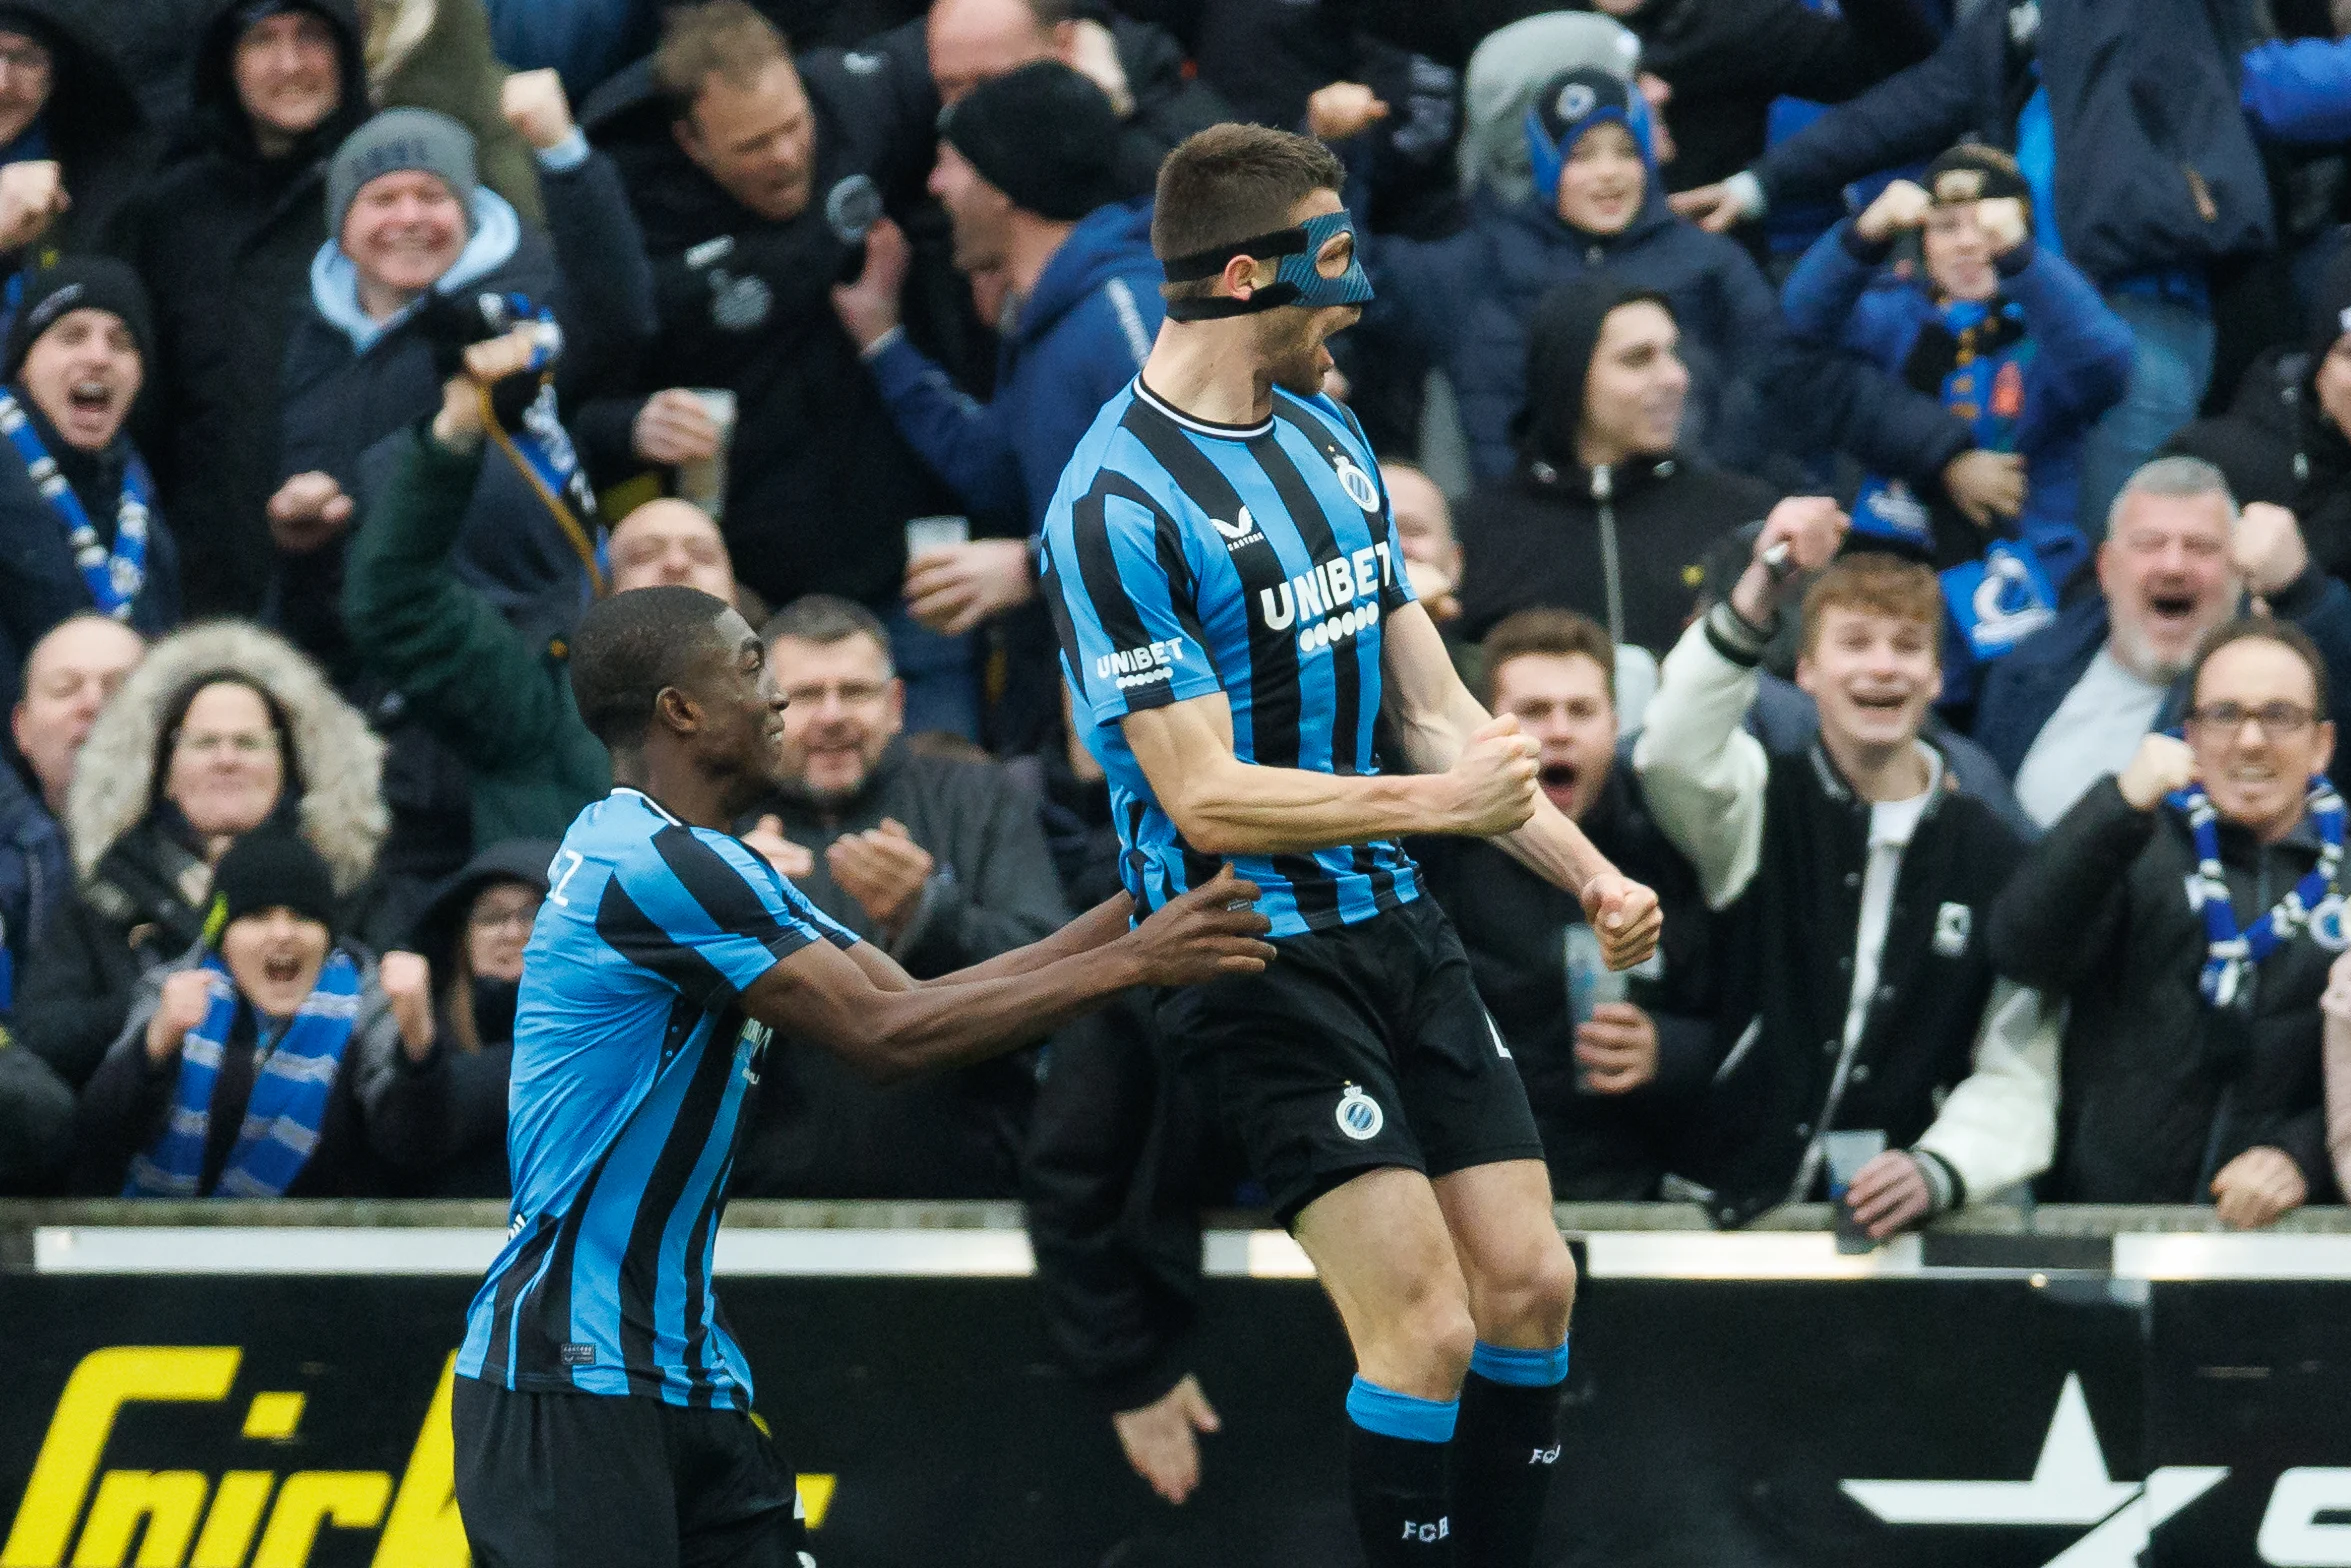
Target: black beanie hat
(270, 868)
(1974, 172)
(79, 283)
(1043, 135)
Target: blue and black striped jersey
(634, 1068)
(1183, 558)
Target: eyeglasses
(852, 694)
(31, 59)
(516, 919)
(2278, 720)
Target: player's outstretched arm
(1224, 806)
(1439, 723)
(889, 1027)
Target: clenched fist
(2161, 766)
(407, 981)
(186, 1003)
(533, 103)
(1493, 781)
(1625, 916)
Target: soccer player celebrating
(664, 955)
(1234, 613)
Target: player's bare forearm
(1224, 806)
(1100, 926)
(861, 1006)
(1555, 849)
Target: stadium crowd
(1893, 456)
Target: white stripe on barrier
(2196, 1255)
(1000, 1253)
(1742, 1255)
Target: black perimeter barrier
(227, 1385)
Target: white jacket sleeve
(1703, 773)
(1999, 1126)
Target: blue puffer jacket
(2080, 365)
(1082, 334)
(2155, 167)
(1469, 297)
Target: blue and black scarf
(291, 1087)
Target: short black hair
(632, 646)
(2264, 628)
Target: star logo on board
(2070, 1486)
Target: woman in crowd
(276, 1060)
(473, 934)
(222, 729)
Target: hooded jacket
(470, 1159)
(40, 582)
(92, 127)
(223, 239)
(2079, 362)
(2162, 1090)
(351, 382)
(819, 482)
(822, 1132)
(1470, 300)
(2137, 191)
(141, 889)
(1081, 335)
(1626, 544)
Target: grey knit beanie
(396, 142)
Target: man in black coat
(74, 363)
(754, 175)
(1852, 881)
(73, 142)
(1605, 515)
(939, 861)
(1606, 1078)
(2191, 1076)
(223, 239)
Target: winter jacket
(2260, 443)
(2075, 359)
(2025, 687)
(825, 1133)
(586, 41)
(470, 1159)
(92, 128)
(40, 582)
(223, 240)
(383, 1115)
(350, 383)
(142, 886)
(1947, 1064)
(1602, 1148)
(819, 482)
(35, 873)
(2162, 1090)
(1727, 60)
(1081, 335)
(2299, 90)
(1470, 299)
(1624, 543)
(496, 697)
(36, 1123)
(2136, 191)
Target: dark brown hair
(1231, 183)
(1877, 584)
(723, 38)
(2263, 628)
(1557, 634)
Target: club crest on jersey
(1359, 1115)
(1359, 485)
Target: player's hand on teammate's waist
(1213, 930)
(1493, 782)
(1626, 916)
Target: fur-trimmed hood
(337, 758)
